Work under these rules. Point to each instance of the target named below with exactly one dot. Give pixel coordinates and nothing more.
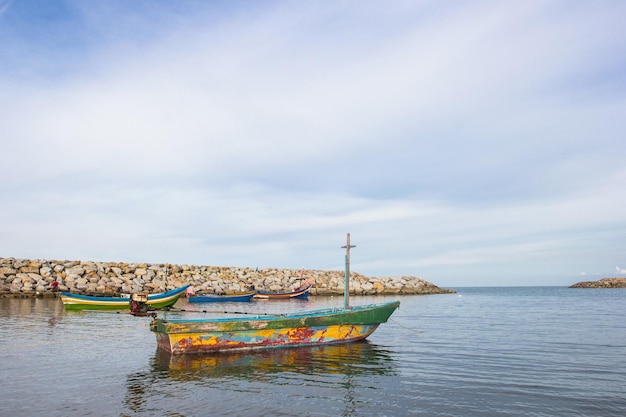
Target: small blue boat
(215, 298)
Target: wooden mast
(346, 285)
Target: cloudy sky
(469, 143)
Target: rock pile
(603, 283)
(24, 277)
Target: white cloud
(480, 138)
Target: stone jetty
(603, 283)
(40, 278)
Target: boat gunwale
(325, 312)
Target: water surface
(533, 351)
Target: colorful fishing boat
(216, 298)
(264, 330)
(88, 302)
(310, 328)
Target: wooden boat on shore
(215, 298)
(310, 328)
(89, 302)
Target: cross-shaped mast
(346, 285)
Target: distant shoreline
(602, 283)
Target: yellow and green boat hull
(318, 327)
(88, 302)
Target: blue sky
(464, 142)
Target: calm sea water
(540, 351)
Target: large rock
(603, 283)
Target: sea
(522, 351)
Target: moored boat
(310, 328)
(89, 302)
(301, 292)
(264, 330)
(216, 298)
(298, 294)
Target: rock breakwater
(32, 278)
(603, 283)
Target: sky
(469, 143)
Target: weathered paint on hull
(262, 339)
(303, 329)
(78, 302)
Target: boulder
(603, 283)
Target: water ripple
(491, 352)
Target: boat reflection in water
(360, 356)
(336, 377)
